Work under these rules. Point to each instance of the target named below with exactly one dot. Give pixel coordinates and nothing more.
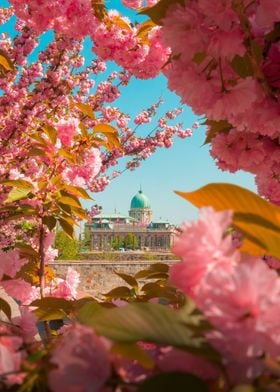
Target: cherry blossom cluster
(239, 294)
(226, 66)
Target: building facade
(138, 228)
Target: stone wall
(98, 276)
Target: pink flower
(134, 4)
(243, 306)
(67, 129)
(173, 360)
(27, 323)
(82, 362)
(10, 356)
(202, 247)
(11, 263)
(65, 288)
(19, 289)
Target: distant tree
(67, 248)
(85, 242)
(117, 243)
(130, 241)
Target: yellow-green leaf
(19, 184)
(133, 352)
(50, 308)
(17, 194)
(67, 227)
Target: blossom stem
(42, 274)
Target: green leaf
(128, 279)
(67, 227)
(242, 66)
(26, 251)
(215, 127)
(256, 218)
(18, 184)
(50, 222)
(119, 292)
(51, 308)
(175, 382)
(158, 11)
(257, 51)
(143, 321)
(134, 353)
(17, 194)
(5, 308)
(199, 57)
(243, 388)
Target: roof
(140, 200)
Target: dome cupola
(140, 200)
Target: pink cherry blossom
(202, 247)
(81, 360)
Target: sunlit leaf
(133, 352)
(17, 194)
(143, 31)
(50, 132)
(120, 22)
(5, 63)
(51, 308)
(77, 191)
(104, 128)
(67, 227)
(142, 321)
(85, 109)
(79, 213)
(18, 183)
(99, 9)
(256, 218)
(71, 201)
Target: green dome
(140, 201)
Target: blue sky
(185, 166)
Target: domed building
(109, 230)
(140, 208)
